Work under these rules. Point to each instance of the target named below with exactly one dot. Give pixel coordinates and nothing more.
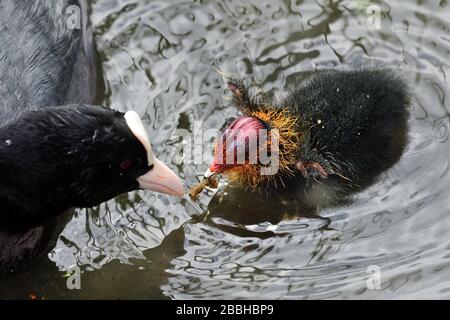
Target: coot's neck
(21, 205)
(16, 218)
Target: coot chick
(336, 132)
(57, 151)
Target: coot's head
(258, 149)
(77, 156)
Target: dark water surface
(159, 58)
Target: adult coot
(56, 151)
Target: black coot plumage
(57, 152)
(337, 131)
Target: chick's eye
(126, 164)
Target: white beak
(161, 179)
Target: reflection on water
(159, 59)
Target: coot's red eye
(126, 164)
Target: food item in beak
(196, 189)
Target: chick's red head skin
(238, 144)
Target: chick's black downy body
(352, 125)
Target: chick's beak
(161, 179)
(209, 173)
